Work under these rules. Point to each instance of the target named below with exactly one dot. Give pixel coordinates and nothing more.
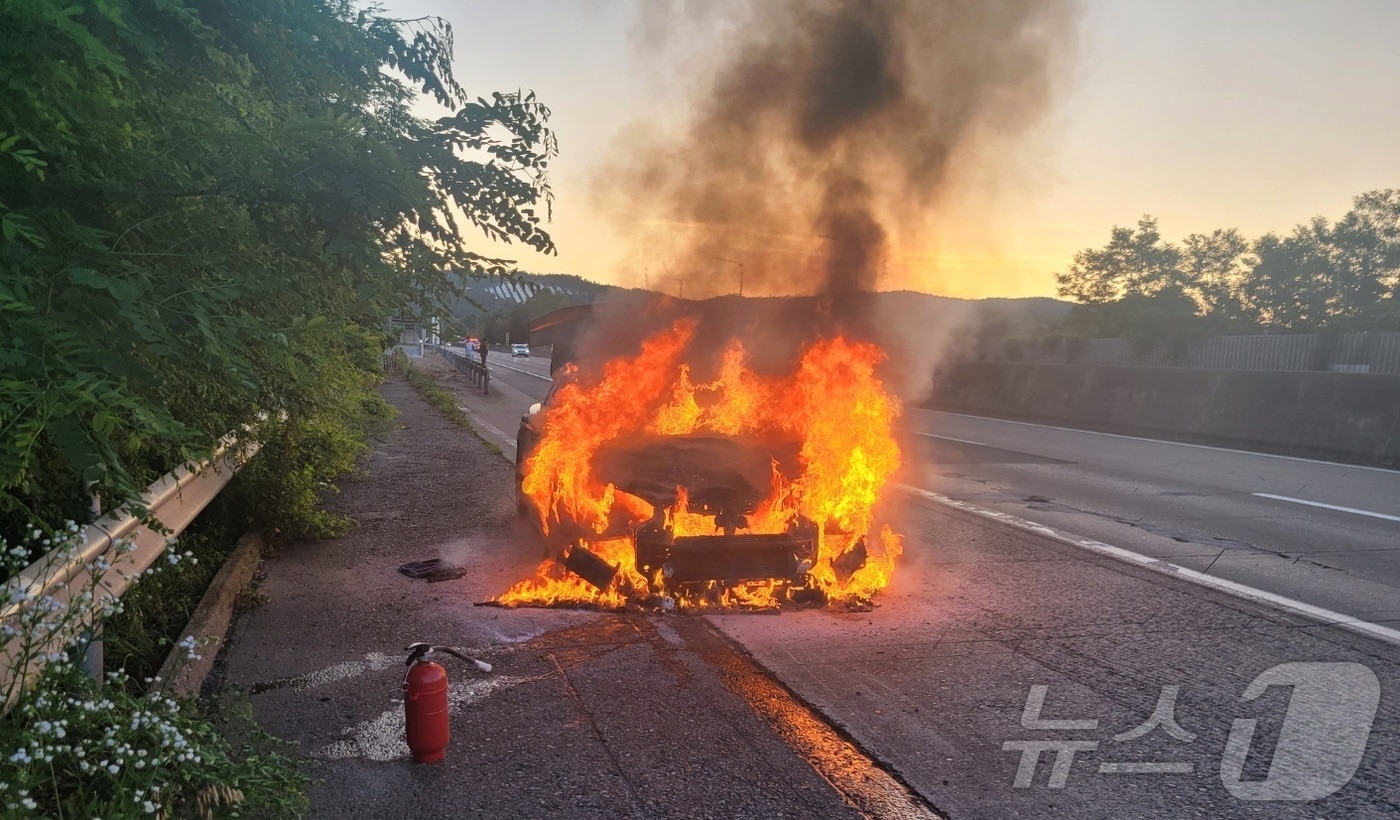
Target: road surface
(1323, 533)
(1007, 674)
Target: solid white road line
(1326, 616)
(1351, 510)
(1173, 443)
(949, 438)
(519, 370)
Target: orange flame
(833, 404)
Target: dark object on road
(850, 561)
(730, 559)
(585, 564)
(432, 570)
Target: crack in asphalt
(1139, 523)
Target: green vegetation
(163, 755)
(208, 209)
(444, 401)
(77, 747)
(1342, 276)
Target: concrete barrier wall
(1333, 415)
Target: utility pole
(741, 271)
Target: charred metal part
(727, 476)
(851, 560)
(807, 596)
(588, 566)
(730, 520)
(728, 559)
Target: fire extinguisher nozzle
(483, 666)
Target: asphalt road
(524, 372)
(940, 683)
(993, 642)
(1323, 533)
(585, 715)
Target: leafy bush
(79, 748)
(208, 211)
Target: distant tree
(1134, 262)
(518, 325)
(1137, 316)
(1291, 284)
(1342, 276)
(1215, 266)
(1366, 256)
(1320, 276)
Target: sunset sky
(1255, 114)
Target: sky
(1248, 114)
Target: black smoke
(825, 133)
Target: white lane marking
(1173, 443)
(1352, 510)
(1326, 616)
(383, 738)
(519, 370)
(949, 438)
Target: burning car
(744, 490)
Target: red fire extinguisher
(425, 701)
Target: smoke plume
(823, 135)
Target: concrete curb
(181, 675)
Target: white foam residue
(383, 737)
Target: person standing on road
(481, 348)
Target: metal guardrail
(171, 503)
(476, 371)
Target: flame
(834, 404)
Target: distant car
(520, 350)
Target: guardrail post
(477, 373)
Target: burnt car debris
(690, 513)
